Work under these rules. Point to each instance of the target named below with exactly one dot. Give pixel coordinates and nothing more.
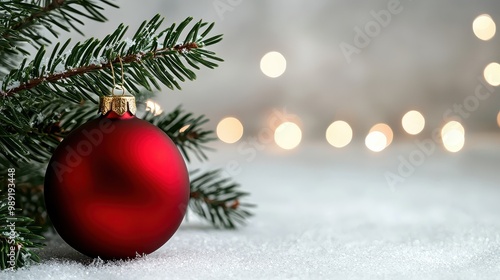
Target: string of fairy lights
(339, 134)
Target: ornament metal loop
(118, 104)
(113, 77)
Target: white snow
(128, 43)
(98, 61)
(325, 213)
(12, 84)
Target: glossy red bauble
(116, 187)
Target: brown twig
(198, 195)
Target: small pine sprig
(185, 131)
(218, 200)
(17, 238)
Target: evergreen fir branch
(29, 193)
(17, 237)
(31, 130)
(21, 21)
(21, 16)
(85, 70)
(185, 131)
(218, 200)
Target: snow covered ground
(325, 213)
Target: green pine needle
(218, 199)
(185, 130)
(17, 238)
(21, 22)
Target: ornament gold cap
(119, 104)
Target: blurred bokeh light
(376, 141)
(153, 107)
(484, 27)
(413, 122)
(453, 136)
(273, 64)
(288, 135)
(386, 130)
(229, 130)
(339, 134)
(492, 74)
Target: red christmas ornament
(117, 186)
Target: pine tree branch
(218, 200)
(84, 70)
(29, 198)
(131, 58)
(28, 131)
(25, 22)
(18, 237)
(185, 131)
(25, 15)
(21, 21)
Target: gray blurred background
(427, 58)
